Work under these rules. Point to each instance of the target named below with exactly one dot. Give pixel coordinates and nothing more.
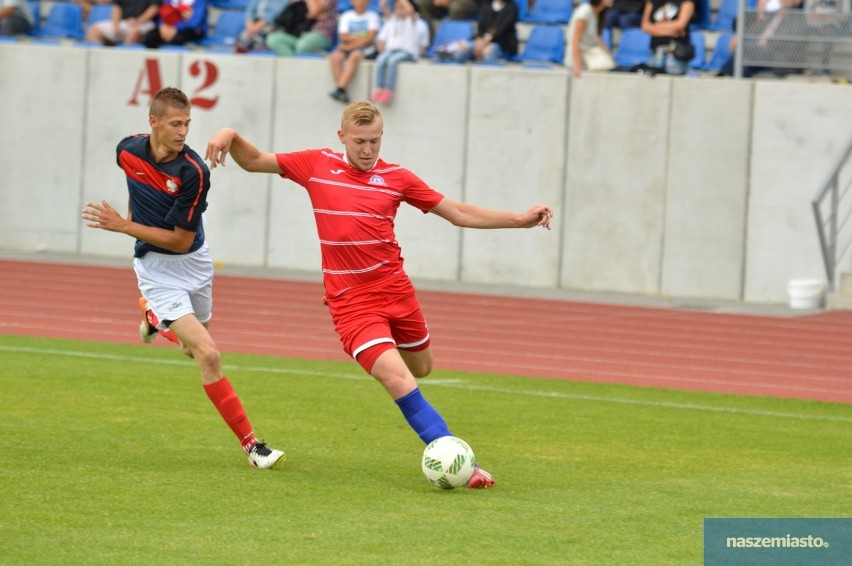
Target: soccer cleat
(480, 479)
(147, 332)
(262, 456)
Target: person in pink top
(355, 196)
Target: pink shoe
(480, 479)
(386, 96)
(376, 96)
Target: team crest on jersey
(171, 186)
(376, 180)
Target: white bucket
(806, 293)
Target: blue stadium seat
(700, 44)
(727, 13)
(523, 9)
(633, 49)
(99, 13)
(65, 20)
(553, 12)
(721, 53)
(702, 18)
(545, 44)
(230, 4)
(229, 26)
(449, 31)
(35, 7)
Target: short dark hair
(168, 97)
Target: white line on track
(455, 383)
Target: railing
(835, 236)
(797, 40)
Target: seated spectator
(496, 34)
(356, 40)
(15, 17)
(667, 22)
(624, 14)
(586, 47)
(260, 18)
(403, 37)
(304, 26)
(180, 22)
(433, 11)
(131, 20)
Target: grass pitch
(113, 454)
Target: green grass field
(113, 455)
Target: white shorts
(177, 285)
(108, 30)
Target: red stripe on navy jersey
(354, 212)
(200, 185)
(144, 172)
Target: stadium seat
(449, 31)
(99, 13)
(65, 20)
(552, 12)
(230, 4)
(523, 9)
(633, 49)
(546, 44)
(727, 14)
(721, 53)
(35, 7)
(229, 26)
(700, 43)
(702, 18)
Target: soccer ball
(448, 462)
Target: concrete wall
(693, 188)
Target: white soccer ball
(448, 462)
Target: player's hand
(218, 147)
(539, 215)
(102, 215)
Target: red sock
(165, 333)
(225, 399)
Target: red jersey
(354, 212)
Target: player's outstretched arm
(245, 154)
(472, 216)
(102, 215)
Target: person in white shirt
(403, 37)
(356, 31)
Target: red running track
(805, 357)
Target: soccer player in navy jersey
(168, 184)
(355, 196)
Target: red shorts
(377, 316)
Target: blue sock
(422, 417)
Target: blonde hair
(168, 97)
(359, 113)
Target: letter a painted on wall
(148, 83)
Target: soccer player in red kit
(355, 196)
(168, 184)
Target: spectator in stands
(260, 18)
(433, 11)
(667, 22)
(180, 22)
(587, 48)
(496, 34)
(356, 40)
(304, 26)
(404, 37)
(15, 17)
(624, 14)
(131, 20)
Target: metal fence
(816, 37)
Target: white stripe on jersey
(343, 213)
(365, 270)
(356, 187)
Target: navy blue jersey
(164, 195)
